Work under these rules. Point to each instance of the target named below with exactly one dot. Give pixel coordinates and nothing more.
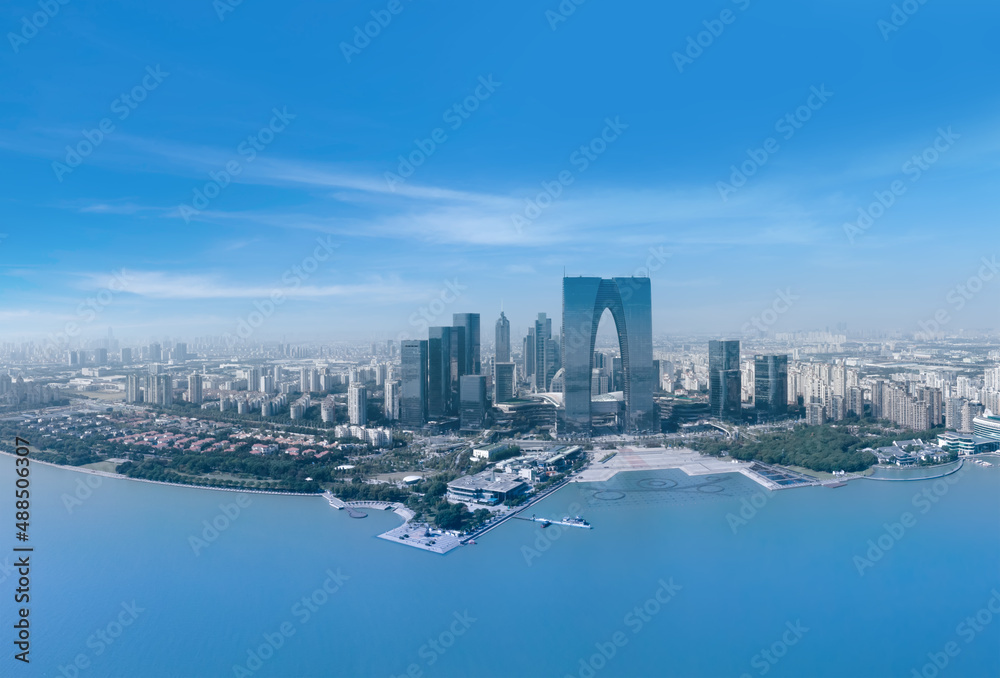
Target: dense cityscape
(460, 429)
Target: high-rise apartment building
(392, 395)
(357, 404)
(195, 389)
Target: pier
(550, 521)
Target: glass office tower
(629, 300)
(470, 321)
(438, 371)
(770, 385)
(724, 379)
(413, 394)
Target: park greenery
(826, 448)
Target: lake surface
(681, 576)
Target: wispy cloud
(163, 285)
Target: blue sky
(554, 83)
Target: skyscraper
(503, 339)
(413, 394)
(456, 367)
(724, 378)
(470, 321)
(472, 409)
(357, 404)
(629, 300)
(528, 353)
(438, 371)
(546, 353)
(770, 393)
(503, 382)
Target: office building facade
(413, 394)
(584, 301)
(770, 391)
(724, 379)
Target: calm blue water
(524, 601)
